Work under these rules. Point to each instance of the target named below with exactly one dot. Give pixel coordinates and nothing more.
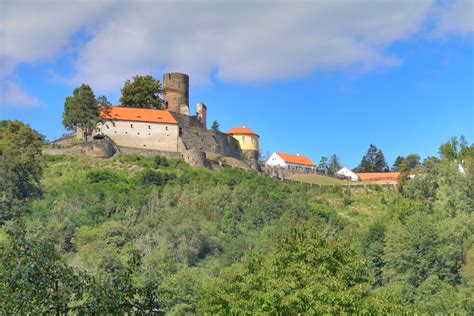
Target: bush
(161, 161)
(104, 175)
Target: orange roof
(378, 176)
(297, 159)
(122, 113)
(241, 130)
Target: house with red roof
(140, 128)
(293, 162)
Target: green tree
(323, 165)
(81, 112)
(20, 167)
(373, 161)
(396, 164)
(142, 92)
(306, 273)
(334, 165)
(33, 277)
(215, 126)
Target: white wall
(147, 135)
(275, 161)
(346, 172)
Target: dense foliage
(20, 167)
(142, 92)
(150, 235)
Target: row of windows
(149, 134)
(131, 126)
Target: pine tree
(334, 164)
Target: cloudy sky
(312, 77)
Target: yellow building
(247, 139)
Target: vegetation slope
(151, 236)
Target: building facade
(140, 128)
(291, 162)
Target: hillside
(146, 233)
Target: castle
(174, 130)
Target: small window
(113, 124)
(149, 134)
(166, 127)
(131, 125)
(138, 133)
(126, 132)
(243, 139)
(149, 126)
(107, 126)
(115, 132)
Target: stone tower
(201, 112)
(176, 92)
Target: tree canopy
(81, 112)
(142, 92)
(20, 166)
(373, 161)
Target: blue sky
(313, 78)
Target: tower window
(131, 125)
(243, 139)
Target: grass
(325, 180)
(316, 179)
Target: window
(113, 124)
(131, 125)
(107, 126)
(149, 126)
(243, 139)
(166, 127)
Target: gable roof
(377, 176)
(122, 113)
(296, 159)
(241, 130)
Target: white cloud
(454, 18)
(245, 42)
(240, 42)
(12, 95)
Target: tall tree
(396, 164)
(215, 126)
(142, 92)
(373, 161)
(81, 112)
(334, 164)
(323, 164)
(20, 166)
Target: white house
(292, 162)
(347, 173)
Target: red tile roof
(296, 159)
(241, 130)
(378, 176)
(122, 113)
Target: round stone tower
(176, 92)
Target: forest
(149, 235)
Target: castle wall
(147, 135)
